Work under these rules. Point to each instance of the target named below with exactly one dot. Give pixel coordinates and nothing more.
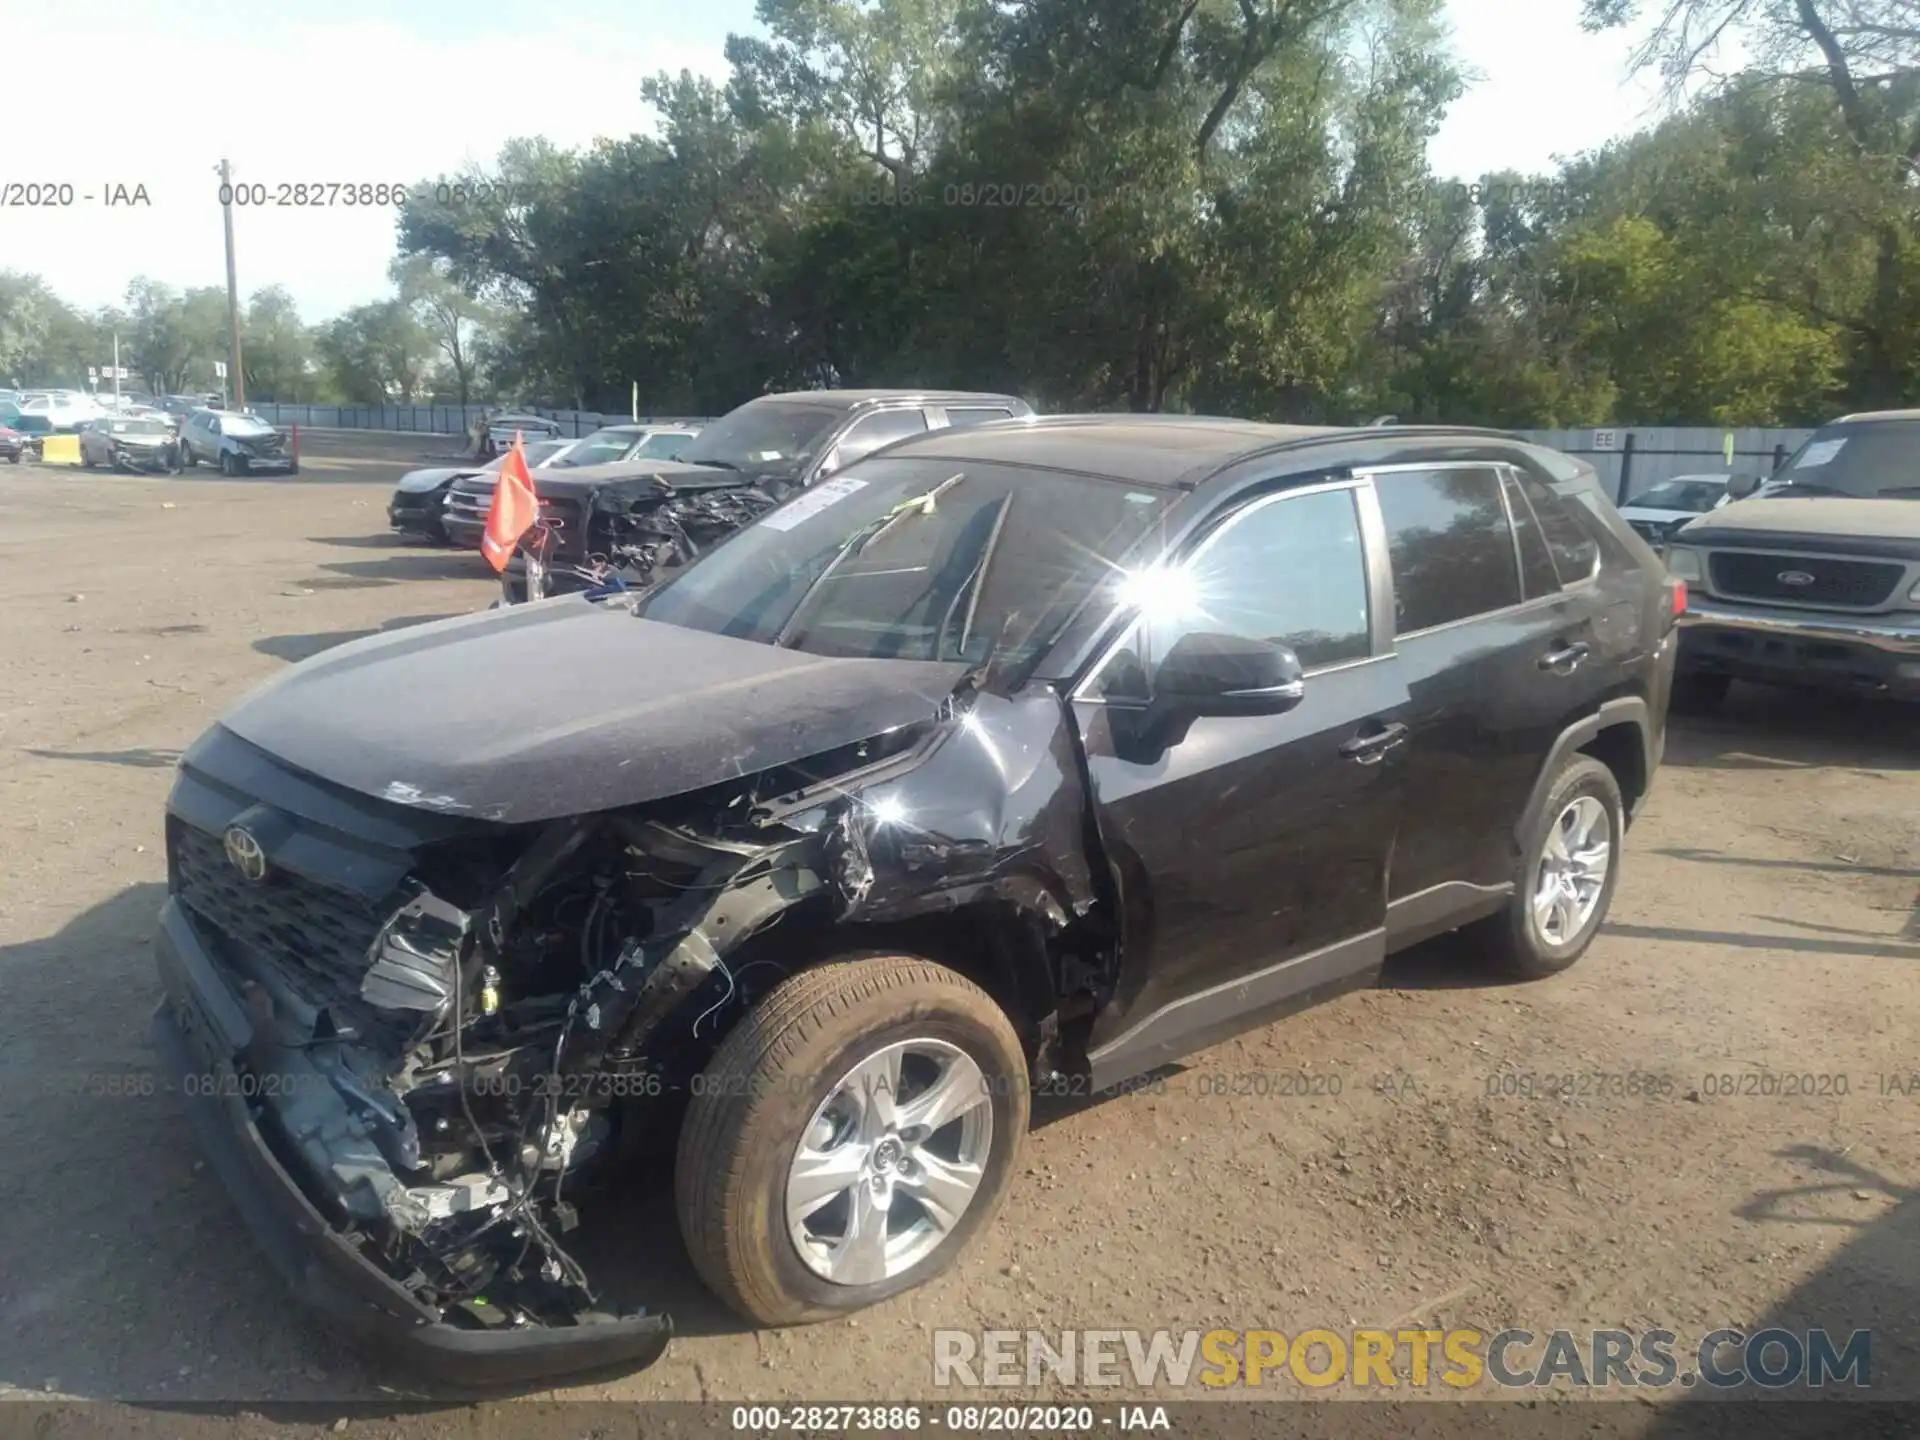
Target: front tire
(187, 462)
(849, 1138)
(1568, 870)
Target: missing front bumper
(198, 1025)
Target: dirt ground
(1766, 924)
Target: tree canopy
(1214, 205)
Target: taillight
(1679, 596)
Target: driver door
(1252, 851)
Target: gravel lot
(1766, 923)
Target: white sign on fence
(1606, 439)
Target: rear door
(1252, 850)
(1495, 650)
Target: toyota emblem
(245, 853)
(1795, 578)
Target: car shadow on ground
(1871, 1282)
(144, 758)
(1761, 727)
(304, 647)
(1458, 960)
(435, 564)
(389, 541)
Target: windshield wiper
(858, 541)
(716, 464)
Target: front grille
(563, 515)
(317, 936)
(1853, 584)
(469, 504)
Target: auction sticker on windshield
(829, 492)
(1819, 454)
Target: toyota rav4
(1033, 753)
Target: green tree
(377, 354)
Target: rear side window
(958, 417)
(1451, 545)
(1574, 550)
(870, 434)
(1537, 575)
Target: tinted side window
(1450, 544)
(1290, 570)
(871, 433)
(957, 417)
(1537, 574)
(1574, 550)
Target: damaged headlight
(415, 959)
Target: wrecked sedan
(1016, 754)
(625, 525)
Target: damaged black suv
(1035, 753)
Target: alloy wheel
(1572, 872)
(889, 1162)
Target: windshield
(138, 427)
(763, 432)
(538, 453)
(602, 447)
(666, 446)
(917, 560)
(1873, 459)
(231, 424)
(1699, 496)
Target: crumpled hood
(416, 482)
(565, 707)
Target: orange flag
(514, 510)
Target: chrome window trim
(1371, 531)
(1503, 473)
(1519, 571)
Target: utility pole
(238, 370)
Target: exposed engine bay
(630, 533)
(532, 1015)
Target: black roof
(1174, 451)
(851, 398)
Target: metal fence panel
(1630, 459)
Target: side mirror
(1741, 486)
(1228, 675)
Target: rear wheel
(1566, 877)
(849, 1138)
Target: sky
(349, 91)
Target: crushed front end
(324, 995)
(627, 534)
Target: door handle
(1566, 658)
(1372, 747)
